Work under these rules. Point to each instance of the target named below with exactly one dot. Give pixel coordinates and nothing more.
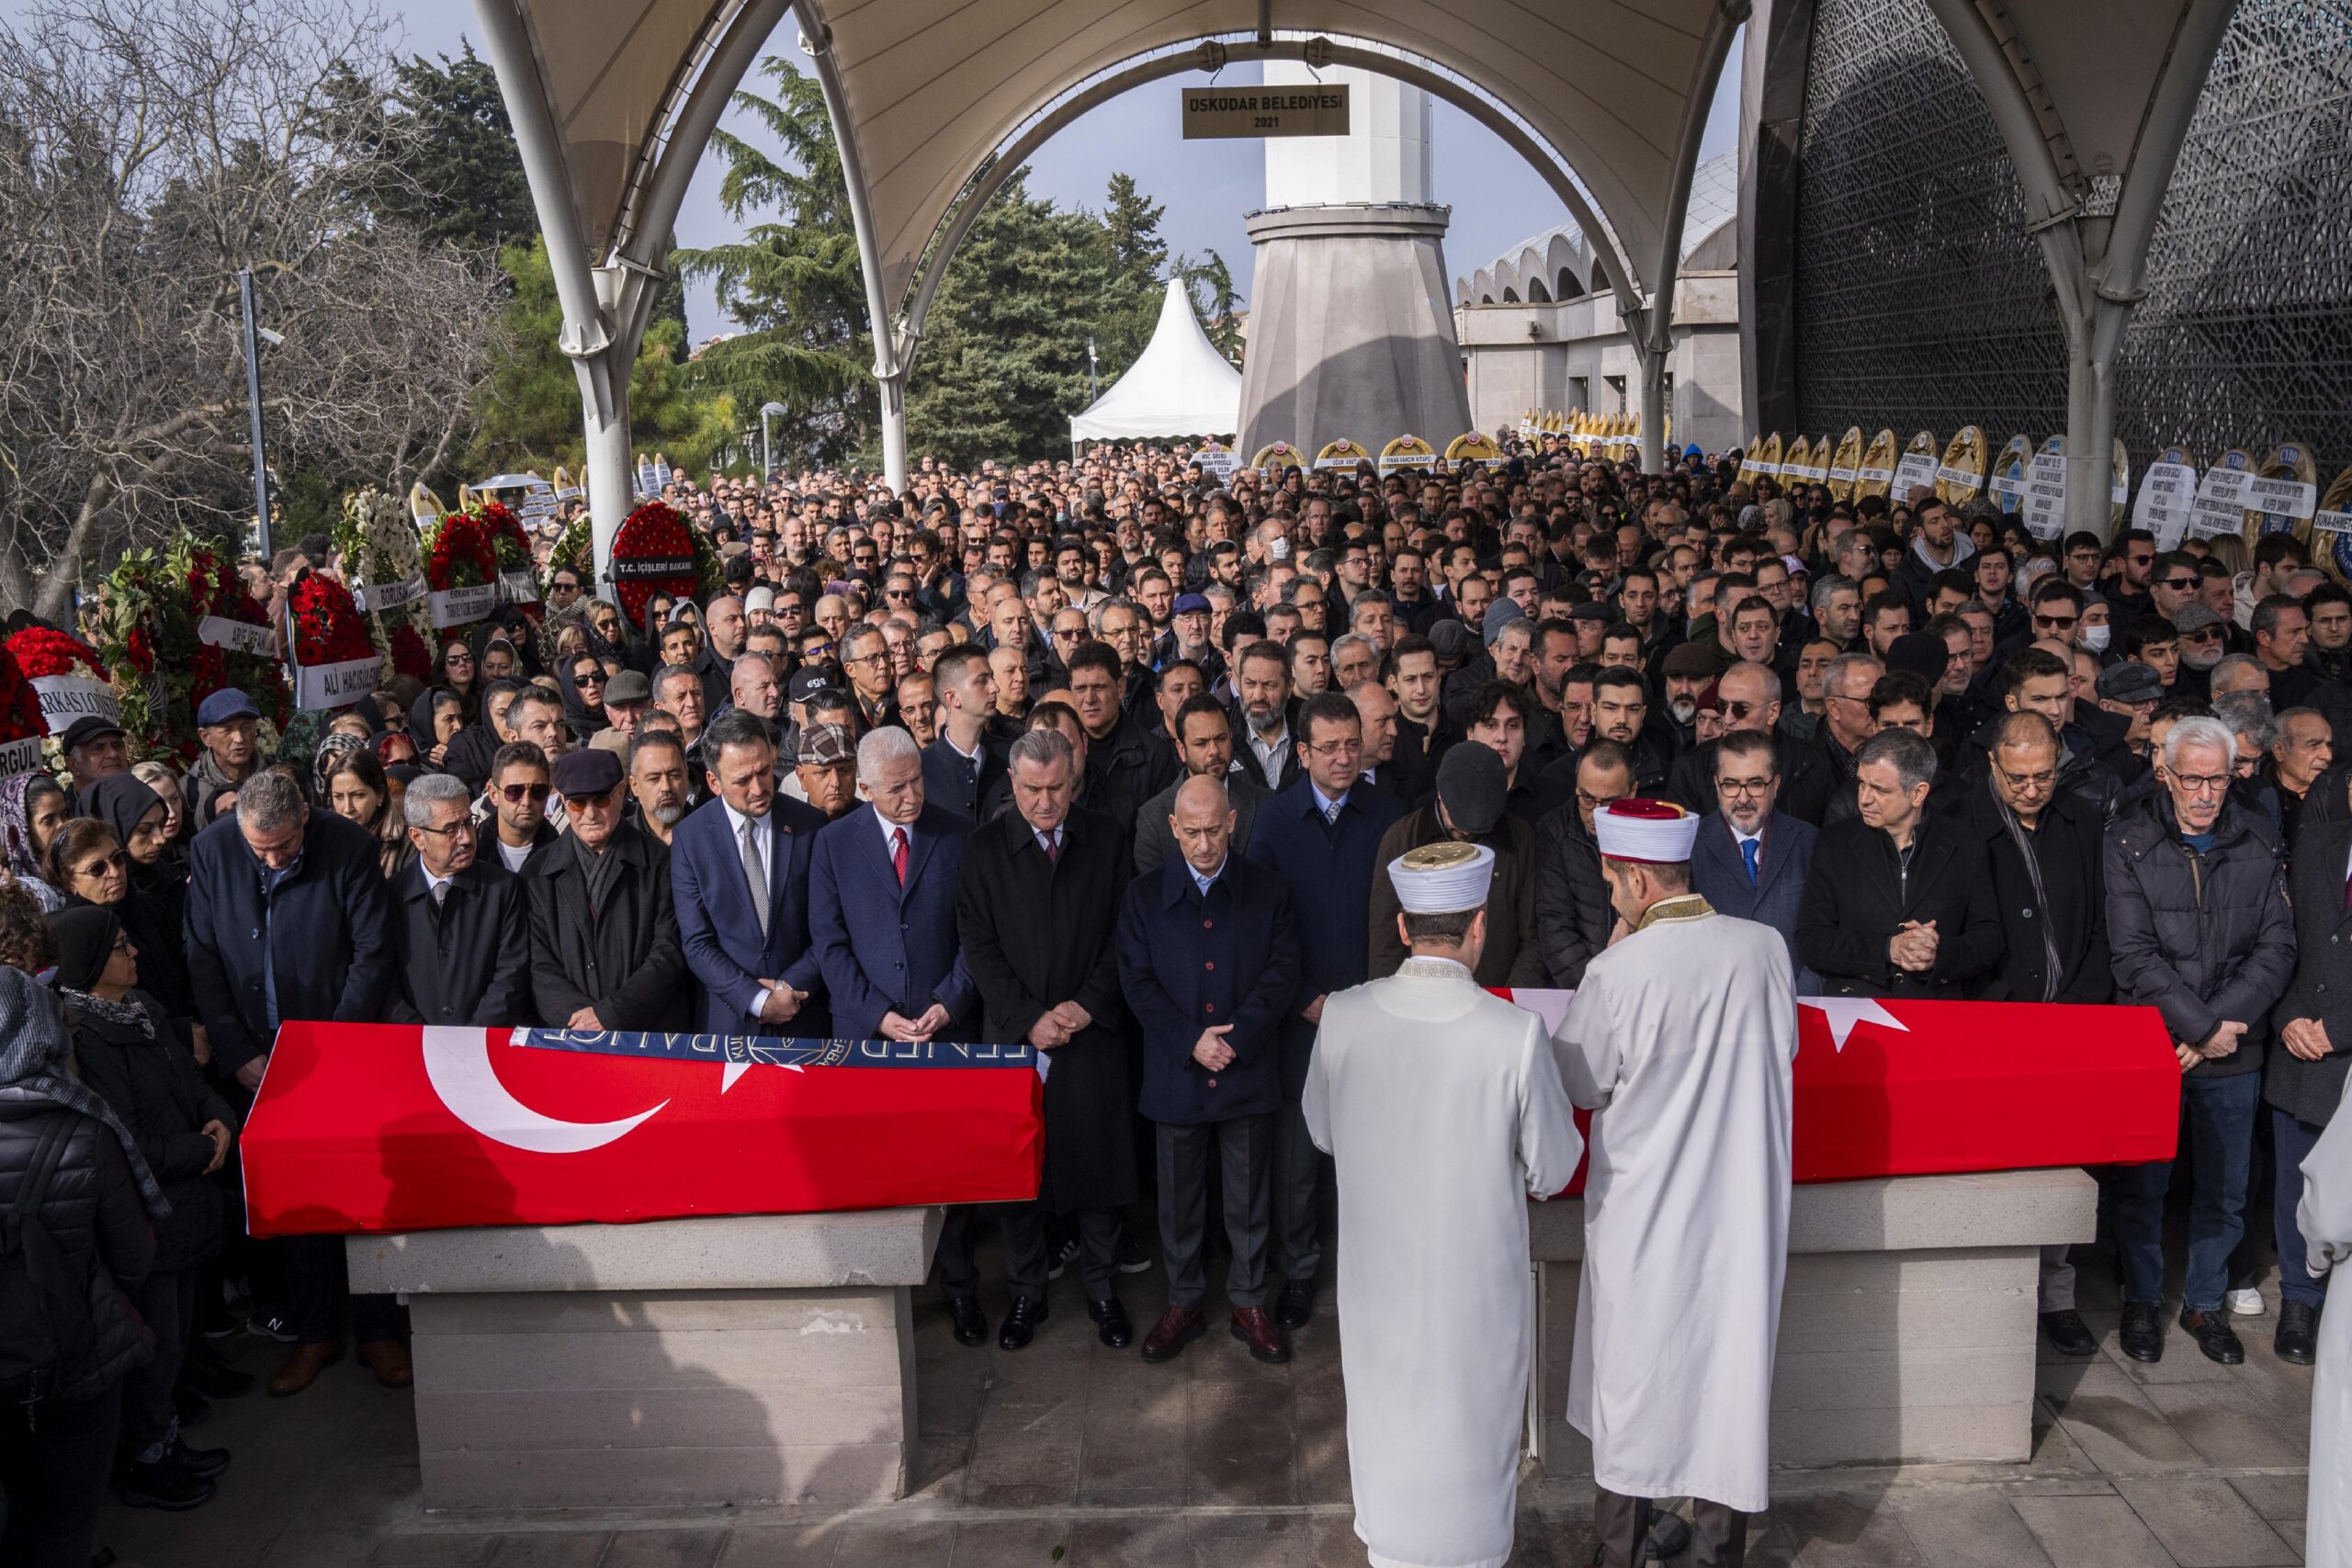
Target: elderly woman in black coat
(58, 1416)
(128, 1055)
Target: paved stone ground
(1069, 1454)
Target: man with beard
(656, 782)
(1263, 690)
(513, 820)
(1751, 859)
(1207, 754)
(1620, 713)
(1747, 698)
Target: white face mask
(2095, 638)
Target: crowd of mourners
(1111, 758)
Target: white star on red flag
(1843, 1013)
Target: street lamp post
(1092, 396)
(767, 459)
(252, 401)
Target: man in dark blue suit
(739, 876)
(965, 770)
(1322, 836)
(882, 890)
(1751, 857)
(1208, 957)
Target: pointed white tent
(1179, 384)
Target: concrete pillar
(1351, 329)
(1653, 358)
(892, 387)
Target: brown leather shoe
(387, 1358)
(1255, 1329)
(1177, 1328)
(301, 1368)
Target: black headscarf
(119, 800)
(86, 934)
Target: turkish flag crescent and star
(376, 1128)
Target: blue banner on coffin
(768, 1051)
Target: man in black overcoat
(1038, 917)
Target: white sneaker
(2247, 1303)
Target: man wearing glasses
(517, 828)
(457, 921)
(605, 948)
(1747, 701)
(2198, 927)
(1751, 859)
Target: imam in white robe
(1444, 1110)
(2324, 1216)
(1681, 1042)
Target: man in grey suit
(1750, 860)
(1205, 728)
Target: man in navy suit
(1751, 858)
(882, 890)
(965, 770)
(739, 875)
(1321, 835)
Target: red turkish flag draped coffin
(363, 1128)
(1923, 1088)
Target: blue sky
(1204, 186)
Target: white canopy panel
(1179, 384)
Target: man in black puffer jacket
(55, 1452)
(2198, 925)
(1573, 916)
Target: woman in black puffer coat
(127, 1052)
(55, 1451)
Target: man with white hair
(882, 888)
(1686, 1197)
(2198, 928)
(1444, 1110)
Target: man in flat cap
(605, 947)
(1444, 1111)
(1686, 1195)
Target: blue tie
(1748, 847)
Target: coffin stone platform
(1907, 1323)
(736, 1359)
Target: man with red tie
(882, 888)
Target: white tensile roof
(1179, 384)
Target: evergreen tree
(1003, 363)
(529, 408)
(1129, 308)
(792, 283)
(468, 183)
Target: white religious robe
(2324, 1216)
(1442, 1108)
(1680, 1041)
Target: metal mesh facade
(1921, 303)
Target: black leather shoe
(2298, 1336)
(2214, 1336)
(215, 1378)
(2069, 1335)
(165, 1484)
(1019, 1324)
(1295, 1305)
(205, 1463)
(2143, 1336)
(971, 1324)
(1111, 1323)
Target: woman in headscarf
(456, 672)
(126, 1052)
(31, 806)
(57, 1440)
(164, 781)
(582, 679)
(155, 903)
(439, 718)
(353, 785)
